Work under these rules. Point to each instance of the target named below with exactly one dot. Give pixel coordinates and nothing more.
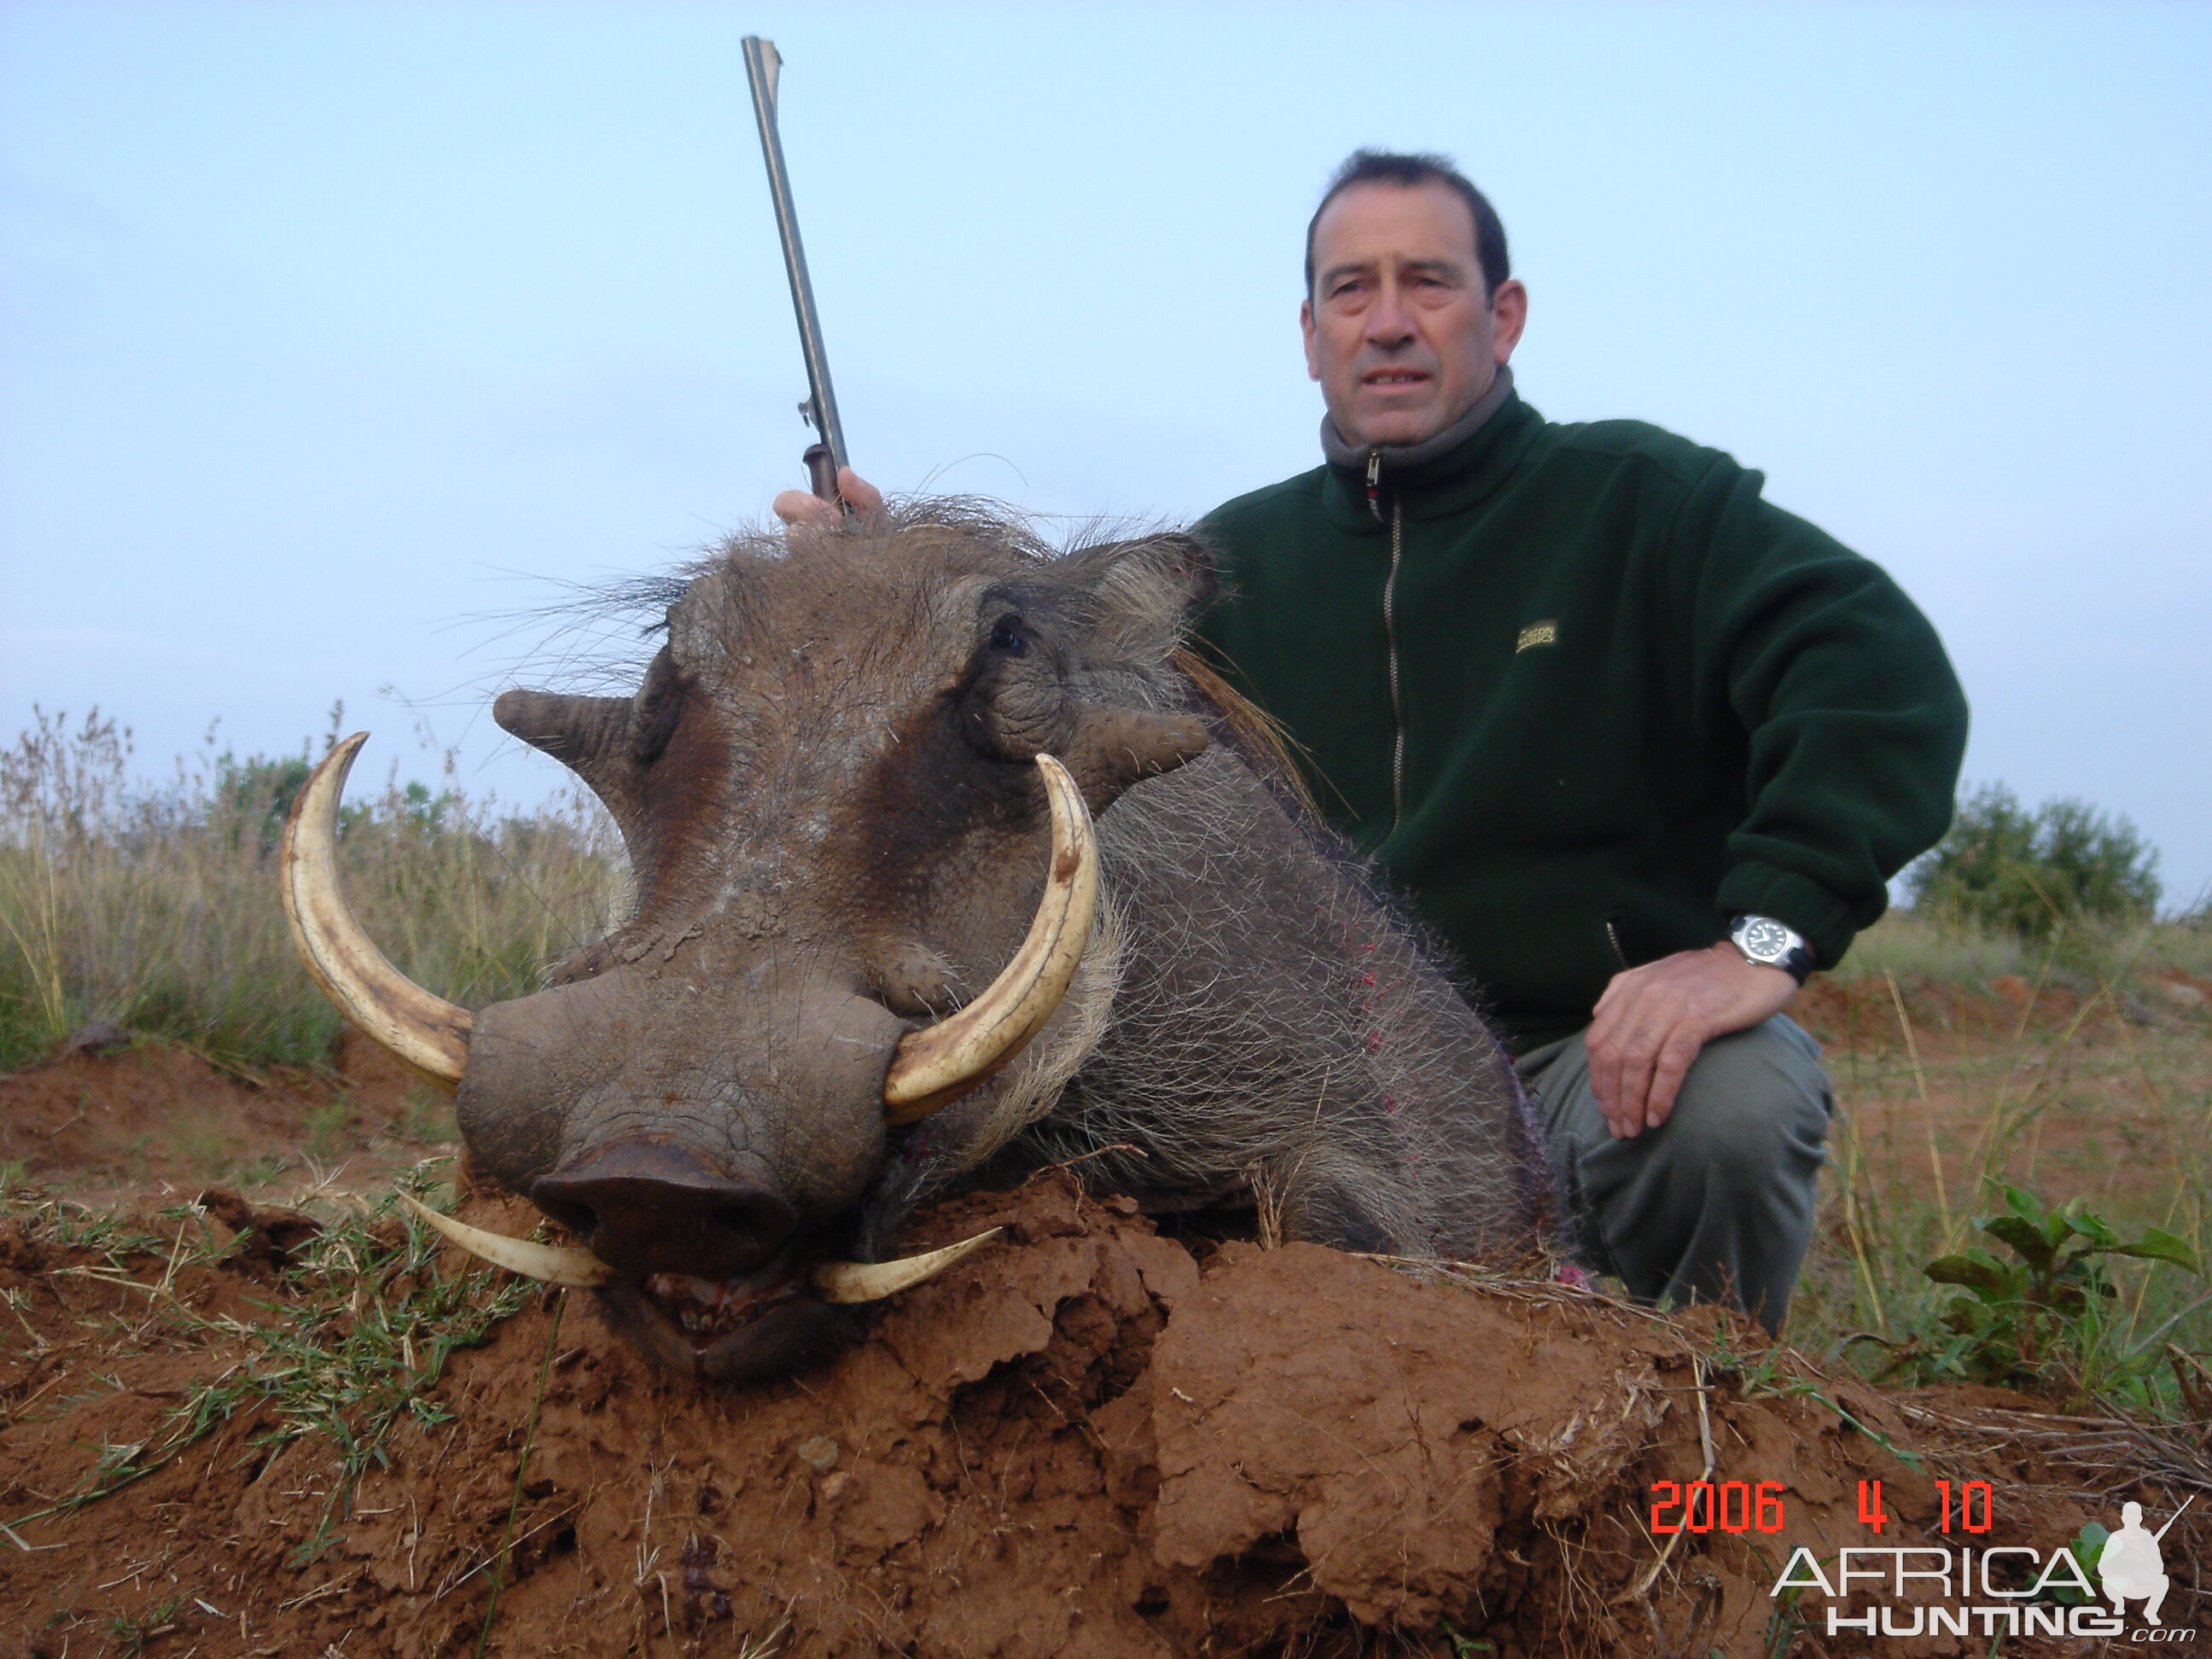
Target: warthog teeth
(872, 1281)
(837, 1281)
(549, 1262)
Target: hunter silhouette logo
(2130, 1565)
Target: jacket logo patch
(1546, 632)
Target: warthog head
(856, 786)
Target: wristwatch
(1772, 943)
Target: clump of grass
(2080, 954)
(1910, 945)
(2186, 943)
(131, 1635)
(156, 908)
(355, 1350)
(348, 1369)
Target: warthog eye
(1009, 636)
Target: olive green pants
(1715, 1205)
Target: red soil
(151, 1117)
(1084, 1440)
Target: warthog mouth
(795, 1307)
(709, 1310)
(728, 1329)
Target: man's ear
(1306, 331)
(1509, 315)
(1141, 592)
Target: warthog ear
(607, 741)
(654, 711)
(1143, 590)
(589, 735)
(1115, 748)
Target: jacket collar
(1342, 452)
(1440, 475)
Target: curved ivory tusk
(428, 1032)
(935, 1066)
(549, 1262)
(872, 1281)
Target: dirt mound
(114, 1113)
(1084, 1441)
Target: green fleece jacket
(1609, 698)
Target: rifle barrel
(762, 63)
(2159, 1535)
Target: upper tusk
(428, 1032)
(872, 1281)
(549, 1262)
(935, 1066)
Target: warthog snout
(649, 1206)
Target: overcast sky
(324, 324)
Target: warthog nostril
(649, 1206)
(576, 1218)
(739, 1218)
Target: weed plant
(2041, 1299)
(156, 909)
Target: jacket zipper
(1397, 701)
(1390, 633)
(1613, 936)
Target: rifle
(827, 452)
(2159, 1536)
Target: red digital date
(1732, 1506)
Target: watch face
(1763, 939)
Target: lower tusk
(935, 1066)
(872, 1281)
(549, 1262)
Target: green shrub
(2032, 874)
(2015, 1316)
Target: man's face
(1398, 330)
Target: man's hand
(798, 506)
(1652, 1021)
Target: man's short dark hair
(1383, 167)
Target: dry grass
(156, 908)
(1907, 944)
(2099, 1092)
